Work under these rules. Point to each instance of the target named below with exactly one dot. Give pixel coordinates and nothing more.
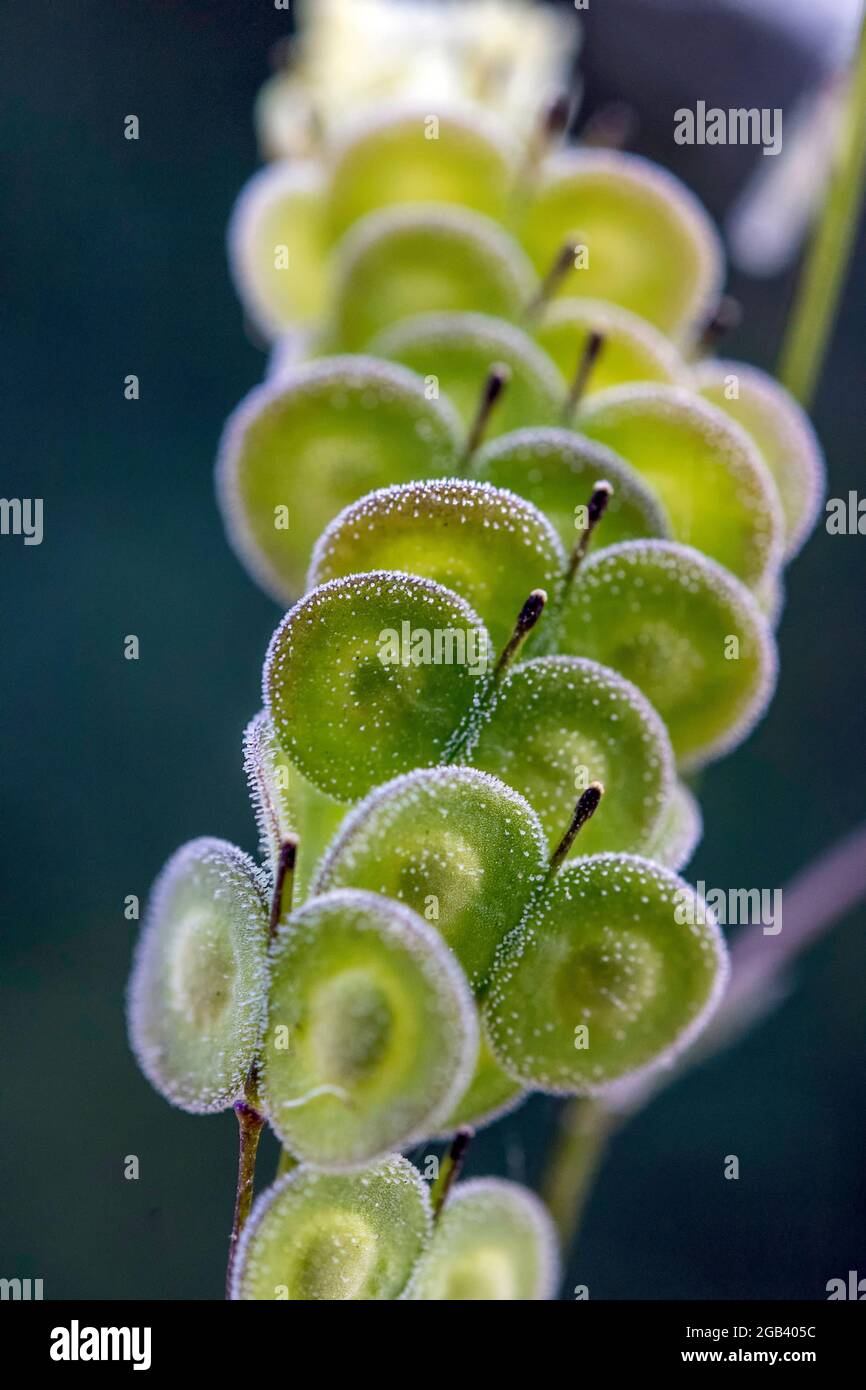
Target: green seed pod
(782, 432)
(373, 675)
(458, 846)
(485, 543)
(287, 805)
(277, 247)
(704, 468)
(633, 349)
(196, 999)
(465, 852)
(408, 156)
(458, 352)
(299, 449)
(618, 969)
(494, 1241)
(372, 1034)
(416, 260)
(557, 469)
(558, 724)
(680, 831)
(325, 1236)
(647, 242)
(685, 632)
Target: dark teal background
(114, 263)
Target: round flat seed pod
(416, 260)
(648, 243)
(299, 449)
(374, 675)
(457, 352)
(633, 349)
(197, 992)
(680, 830)
(329, 1237)
(685, 632)
(557, 469)
(560, 723)
(372, 1032)
(618, 970)
(409, 156)
(277, 247)
(783, 433)
(704, 468)
(485, 543)
(287, 805)
(459, 847)
(493, 1241)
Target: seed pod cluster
(529, 542)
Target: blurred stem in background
(824, 273)
(816, 898)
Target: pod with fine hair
(685, 632)
(460, 350)
(373, 675)
(458, 846)
(494, 1241)
(407, 156)
(618, 968)
(466, 852)
(487, 544)
(424, 259)
(704, 468)
(303, 446)
(633, 349)
(277, 247)
(372, 1034)
(650, 245)
(557, 469)
(561, 722)
(196, 999)
(315, 1237)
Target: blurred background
(114, 263)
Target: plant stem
(449, 1172)
(587, 805)
(823, 276)
(497, 380)
(583, 372)
(577, 1153)
(284, 882)
(527, 619)
(250, 1119)
(250, 1125)
(596, 508)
